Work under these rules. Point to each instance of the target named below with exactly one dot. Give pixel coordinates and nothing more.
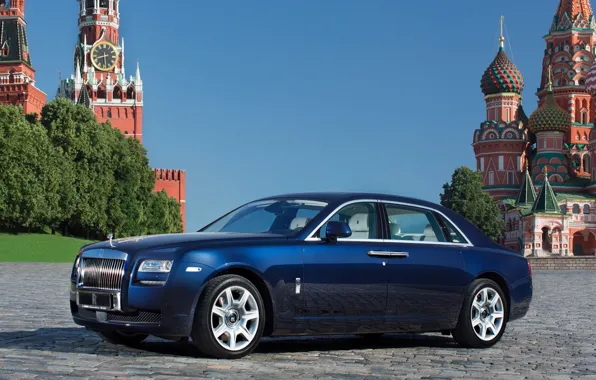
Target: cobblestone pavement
(557, 340)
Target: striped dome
(549, 117)
(591, 80)
(501, 76)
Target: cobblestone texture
(556, 340)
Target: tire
(116, 337)
(476, 319)
(230, 306)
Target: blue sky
(264, 97)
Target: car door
(344, 288)
(426, 276)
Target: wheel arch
(258, 282)
(499, 280)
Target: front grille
(103, 274)
(141, 317)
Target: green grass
(39, 248)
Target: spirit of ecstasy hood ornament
(111, 236)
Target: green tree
(465, 196)
(88, 145)
(31, 173)
(163, 214)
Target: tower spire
(501, 38)
(546, 202)
(527, 193)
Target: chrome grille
(103, 274)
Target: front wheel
(230, 318)
(483, 317)
(117, 337)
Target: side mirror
(337, 230)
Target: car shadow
(83, 341)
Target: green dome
(549, 117)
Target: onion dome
(501, 76)
(549, 117)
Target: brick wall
(563, 263)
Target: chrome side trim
(388, 254)
(310, 237)
(104, 254)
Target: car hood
(140, 243)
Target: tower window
(584, 117)
(109, 113)
(507, 115)
(103, 3)
(510, 178)
(491, 178)
(90, 3)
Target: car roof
(333, 197)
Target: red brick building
(17, 76)
(540, 169)
(100, 83)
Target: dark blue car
(304, 264)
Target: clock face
(104, 56)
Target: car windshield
(276, 216)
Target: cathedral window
(510, 178)
(101, 93)
(576, 208)
(586, 209)
(584, 115)
(103, 3)
(90, 3)
(491, 178)
(501, 163)
(109, 113)
(117, 93)
(508, 115)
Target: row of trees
(67, 172)
(465, 196)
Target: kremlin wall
(99, 79)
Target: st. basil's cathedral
(542, 169)
(99, 81)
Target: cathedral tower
(99, 80)
(570, 52)
(17, 76)
(501, 142)
(100, 83)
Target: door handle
(388, 254)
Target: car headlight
(156, 266)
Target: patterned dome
(591, 80)
(549, 117)
(501, 76)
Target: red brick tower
(17, 76)
(501, 142)
(100, 78)
(100, 83)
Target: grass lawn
(39, 248)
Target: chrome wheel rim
(234, 318)
(487, 314)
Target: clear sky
(255, 98)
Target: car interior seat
(395, 231)
(359, 225)
(299, 222)
(429, 234)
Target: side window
(361, 217)
(410, 223)
(454, 235)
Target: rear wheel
(483, 317)
(230, 318)
(117, 337)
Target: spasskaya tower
(100, 83)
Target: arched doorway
(546, 240)
(584, 243)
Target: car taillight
(530, 267)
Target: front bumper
(163, 310)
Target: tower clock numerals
(104, 56)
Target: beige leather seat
(299, 222)
(359, 226)
(395, 231)
(429, 234)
